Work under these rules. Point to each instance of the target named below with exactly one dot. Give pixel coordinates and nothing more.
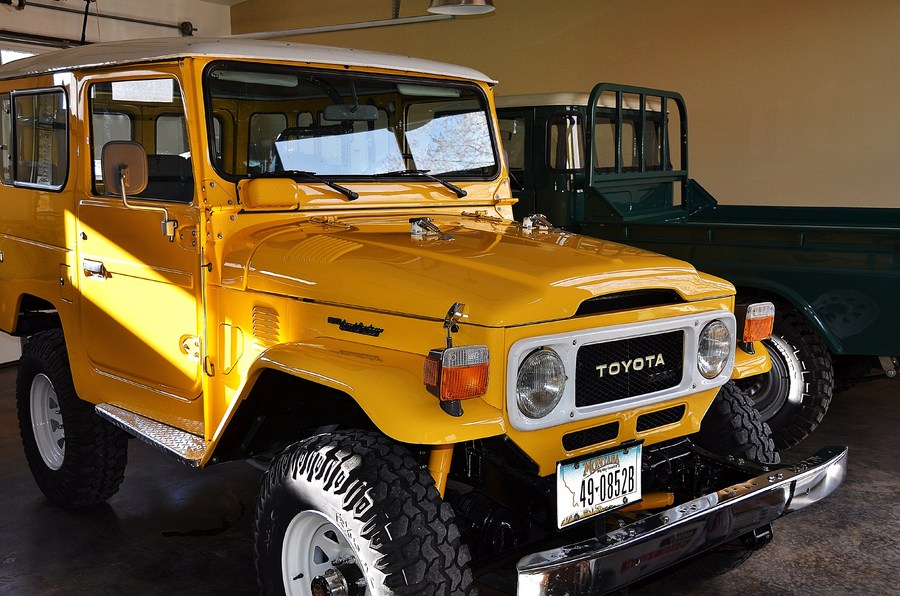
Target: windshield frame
(472, 90)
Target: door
(140, 292)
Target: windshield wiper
(351, 195)
(460, 193)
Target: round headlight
(540, 383)
(714, 349)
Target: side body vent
(266, 328)
(628, 301)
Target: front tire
(794, 395)
(732, 426)
(353, 509)
(77, 459)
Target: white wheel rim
(794, 367)
(47, 422)
(311, 543)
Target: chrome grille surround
(567, 345)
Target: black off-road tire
(77, 459)
(356, 494)
(793, 397)
(732, 426)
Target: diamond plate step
(185, 446)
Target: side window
(150, 112)
(108, 126)
(35, 139)
(171, 135)
(565, 142)
(512, 131)
(5, 140)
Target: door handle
(94, 268)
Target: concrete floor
(173, 530)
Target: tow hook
(758, 538)
(343, 579)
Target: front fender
(748, 365)
(387, 385)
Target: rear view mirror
(124, 163)
(124, 167)
(345, 113)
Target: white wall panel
(210, 19)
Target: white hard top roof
(563, 99)
(542, 99)
(147, 50)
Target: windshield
(265, 120)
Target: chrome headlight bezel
(540, 383)
(715, 346)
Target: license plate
(597, 484)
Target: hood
(505, 275)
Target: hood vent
(266, 329)
(628, 301)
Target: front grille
(613, 370)
(660, 418)
(590, 436)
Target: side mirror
(124, 167)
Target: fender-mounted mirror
(270, 193)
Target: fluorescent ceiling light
(461, 7)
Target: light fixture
(461, 7)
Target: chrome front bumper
(650, 544)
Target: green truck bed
(619, 171)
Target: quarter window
(5, 140)
(35, 139)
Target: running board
(189, 448)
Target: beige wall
(788, 102)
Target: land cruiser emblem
(360, 328)
(613, 368)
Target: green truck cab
(620, 172)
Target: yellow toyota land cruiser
(306, 256)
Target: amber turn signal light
(457, 373)
(759, 319)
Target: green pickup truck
(620, 171)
